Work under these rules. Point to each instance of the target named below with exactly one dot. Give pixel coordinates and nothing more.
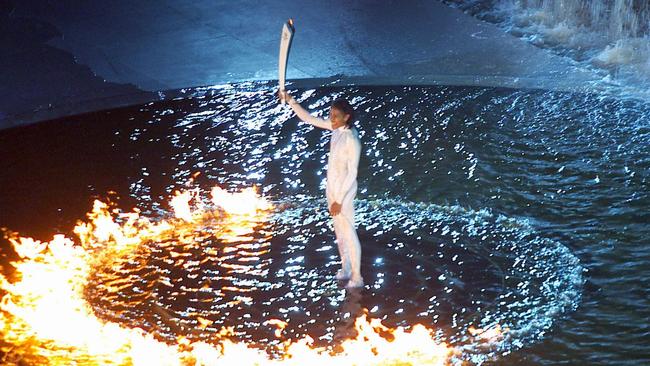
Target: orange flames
(45, 318)
(279, 324)
(487, 335)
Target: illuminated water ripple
(442, 266)
(469, 200)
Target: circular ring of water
(247, 140)
(445, 267)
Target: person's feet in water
(342, 275)
(355, 282)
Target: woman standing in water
(342, 166)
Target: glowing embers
(46, 318)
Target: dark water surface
(477, 207)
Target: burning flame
(181, 205)
(245, 202)
(279, 324)
(45, 318)
(491, 334)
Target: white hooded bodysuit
(342, 165)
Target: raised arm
(306, 116)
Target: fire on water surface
(46, 319)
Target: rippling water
(477, 207)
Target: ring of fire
(187, 286)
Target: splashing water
(612, 36)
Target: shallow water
(477, 206)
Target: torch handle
(285, 46)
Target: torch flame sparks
(45, 318)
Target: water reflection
(468, 198)
(420, 144)
(429, 264)
(351, 308)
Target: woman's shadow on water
(350, 310)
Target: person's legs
(352, 244)
(339, 231)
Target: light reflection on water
(440, 265)
(437, 265)
(469, 199)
